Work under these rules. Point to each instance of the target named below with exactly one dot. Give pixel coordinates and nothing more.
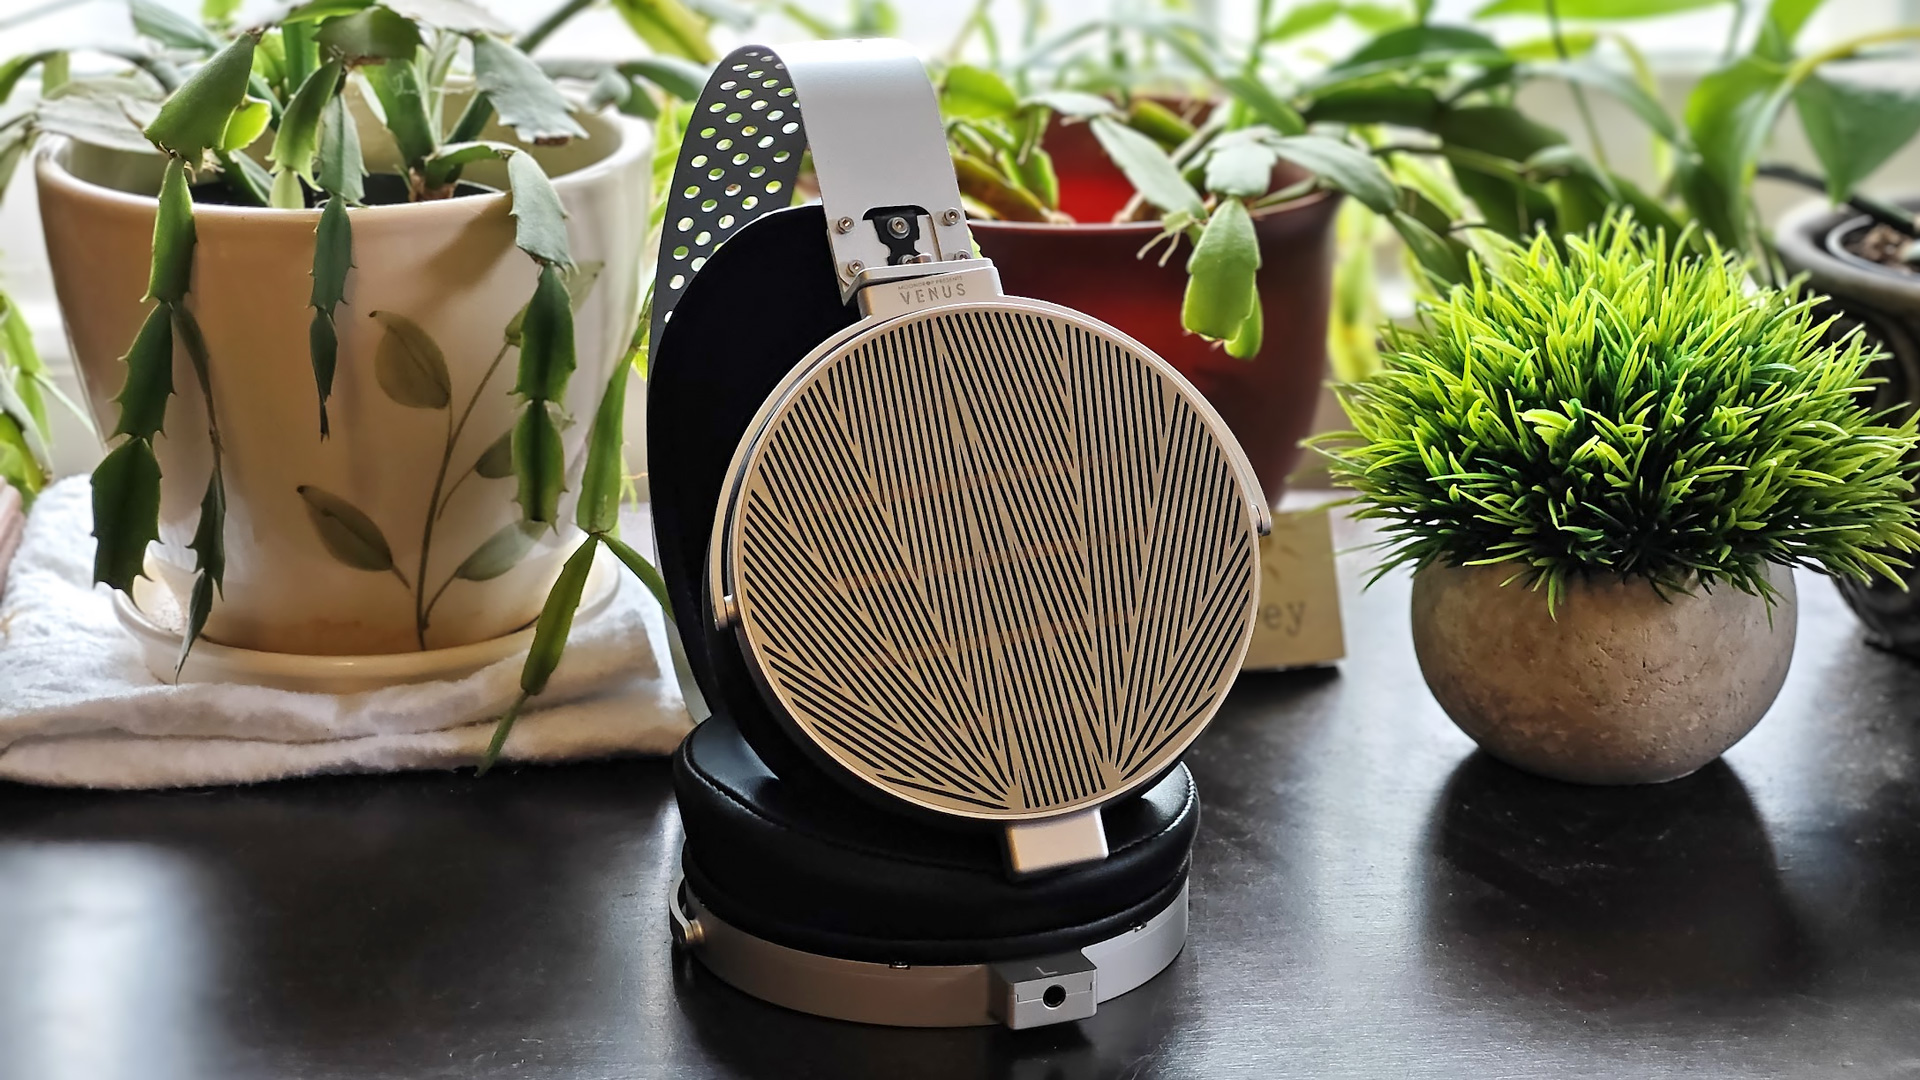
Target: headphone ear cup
(822, 873)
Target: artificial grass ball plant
(1626, 405)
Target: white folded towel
(78, 708)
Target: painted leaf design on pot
(409, 364)
(497, 462)
(348, 533)
(498, 554)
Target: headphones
(960, 575)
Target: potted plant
(1202, 222)
(1601, 458)
(309, 228)
(1852, 248)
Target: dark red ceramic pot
(1268, 400)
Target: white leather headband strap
(873, 124)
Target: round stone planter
(1622, 687)
(374, 540)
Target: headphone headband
(873, 125)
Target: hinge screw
(949, 217)
(844, 225)
(855, 267)
(897, 226)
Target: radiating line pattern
(995, 563)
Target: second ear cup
(819, 871)
(762, 301)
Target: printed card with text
(1299, 618)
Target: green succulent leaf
(669, 27)
(446, 162)
(199, 608)
(171, 272)
(1342, 166)
(105, 112)
(126, 513)
(681, 78)
(599, 507)
(409, 365)
(498, 554)
(372, 36)
(251, 184)
(297, 142)
(170, 28)
(341, 166)
(210, 557)
(348, 534)
(332, 258)
(579, 280)
(1243, 167)
(194, 118)
(1854, 127)
(1377, 103)
(642, 569)
(1245, 343)
(1729, 115)
(1781, 24)
(540, 222)
(15, 68)
(1071, 103)
(974, 93)
(1265, 104)
(1443, 258)
(546, 340)
(397, 86)
(246, 124)
(186, 331)
(1420, 40)
(143, 397)
(323, 352)
(538, 463)
(1152, 173)
(523, 96)
(18, 464)
(1220, 273)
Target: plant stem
(437, 593)
(554, 20)
(448, 500)
(426, 538)
(437, 505)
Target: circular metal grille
(994, 561)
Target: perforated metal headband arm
(873, 124)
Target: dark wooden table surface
(1371, 899)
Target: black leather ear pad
(762, 301)
(821, 871)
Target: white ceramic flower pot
(1621, 686)
(447, 268)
